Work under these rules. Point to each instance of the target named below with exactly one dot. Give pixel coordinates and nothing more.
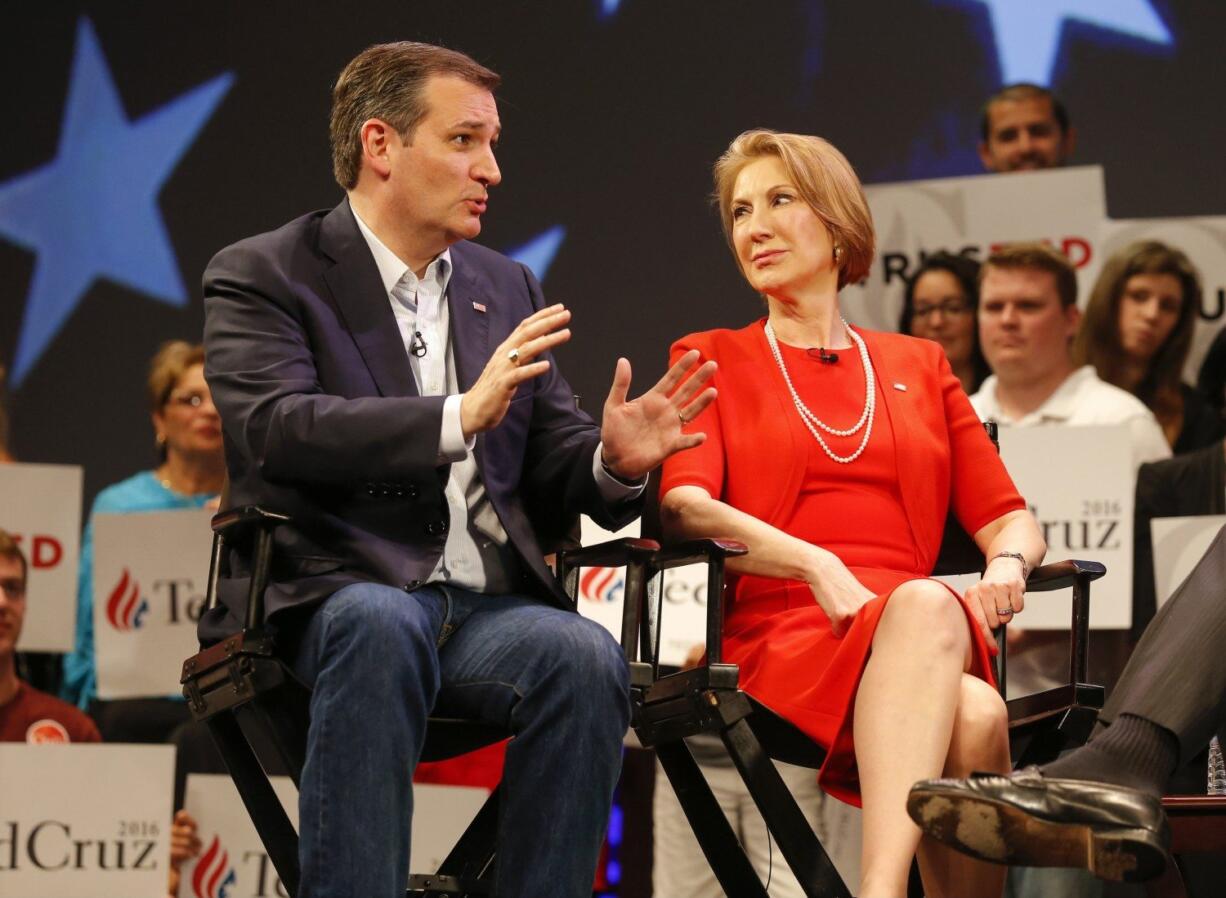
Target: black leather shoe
(1030, 820)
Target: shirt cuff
(612, 488)
(452, 447)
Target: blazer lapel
(363, 304)
(470, 329)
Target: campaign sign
(85, 821)
(41, 509)
(1203, 239)
(233, 863)
(150, 574)
(1179, 543)
(684, 602)
(1078, 482)
(969, 216)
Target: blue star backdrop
(148, 141)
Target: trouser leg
(1176, 677)
(560, 684)
(370, 655)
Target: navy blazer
(322, 420)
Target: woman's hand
(997, 597)
(837, 591)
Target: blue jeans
(381, 660)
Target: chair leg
(473, 855)
(715, 836)
(785, 821)
(271, 822)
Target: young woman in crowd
(941, 303)
(837, 474)
(1137, 331)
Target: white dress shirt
(1084, 399)
(476, 555)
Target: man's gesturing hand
(640, 434)
(484, 405)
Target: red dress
(882, 514)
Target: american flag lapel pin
(902, 388)
(479, 306)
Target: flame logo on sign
(125, 609)
(600, 584)
(213, 876)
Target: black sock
(1132, 752)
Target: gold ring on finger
(513, 356)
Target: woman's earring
(838, 255)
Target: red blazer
(754, 456)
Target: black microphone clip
(417, 345)
(828, 358)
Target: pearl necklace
(810, 419)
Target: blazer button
(371, 490)
(410, 490)
(436, 528)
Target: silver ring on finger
(513, 356)
(681, 418)
(1004, 612)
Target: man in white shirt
(1028, 316)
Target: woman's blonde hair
(826, 182)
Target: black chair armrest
(612, 553)
(238, 524)
(696, 551)
(1063, 574)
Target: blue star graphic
(92, 211)
(1028, 34)
(538, 252)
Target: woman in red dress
(834, 454)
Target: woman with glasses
(189, 474)
(1137, 331)
(941, 303)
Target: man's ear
(377, 137)
(1072, 315)
(985, 157)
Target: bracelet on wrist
(1021, 559)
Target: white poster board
(233, 859)
(40, 505)
(684, 614)
(85, 821)
(150, 574)
(1203, 239)
(970, 215)
(1079, 483)
(1179, 543)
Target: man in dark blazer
(390, 387)
(1190, 484)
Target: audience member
(26, 714)
(941, 303)
(1137, 332)
(189, 475)
(1099, 806)
(1023, 127)
(1028, 317)
(1211, 380)
(1189, 484)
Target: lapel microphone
(823, 356)
(417, 346)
